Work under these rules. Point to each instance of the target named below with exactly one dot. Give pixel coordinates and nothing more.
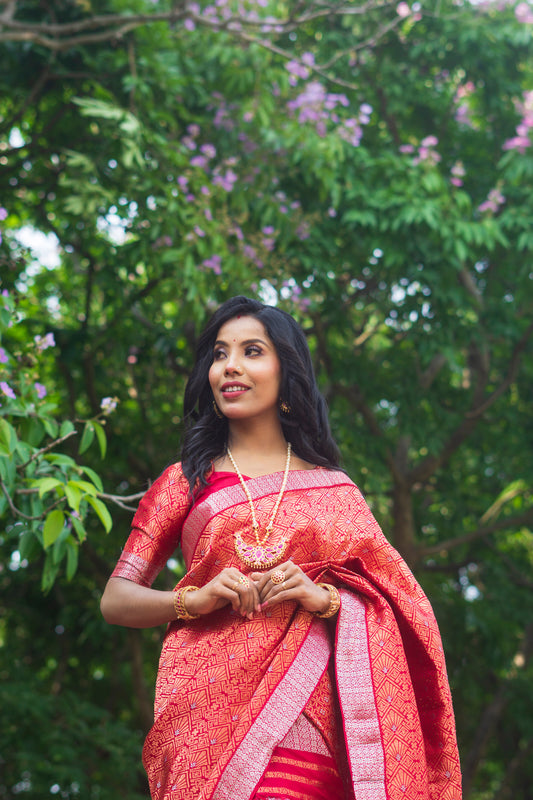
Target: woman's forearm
(126, 603)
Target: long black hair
(305, 426)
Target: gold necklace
(261, 555)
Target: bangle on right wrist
(179, 603)
(334, 601)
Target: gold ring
(277, 577)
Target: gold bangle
(179, 603)
(334, 601)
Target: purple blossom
(302, 231)
(406, 148)
(108, 405)
(189, 25)
(41, 390)
(7, 390)
(522, 140)
(205, 191)
(3, 213)
(208, 150)
(458, 173)
(189, 143)
(268, 230)
(249, 251)
(214, 263)
(44, 342)
(4, 358)
(524, 13)
(268, 243)
(403, 10)
(198, 231)
(183, 181)
(162, 241)
(193, 129)
(297, 71)
(332, 212)
(208, 214)
(493, 201)
(226, 181)
(198, 161)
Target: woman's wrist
(334, 602)
(182, 604)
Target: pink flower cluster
(314, 104)
(523, 139)
(462, 108)
(7, 390)
(44, 342)
(426, 151)
(300, 69)
(493, 201)
(524, 13)
(3, 215)
(214, 263)
(458, 173)
(220, 14)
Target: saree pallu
(372, 682)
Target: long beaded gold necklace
(261, 555)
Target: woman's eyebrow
(244, 343)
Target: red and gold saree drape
(257, 708)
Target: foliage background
(368, 168)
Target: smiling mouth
(230, 389)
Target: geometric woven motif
(383, 707)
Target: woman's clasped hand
(260, 590)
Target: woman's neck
(258, 449)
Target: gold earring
(285, 407)
(217, 410)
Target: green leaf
(94, 476)
(61, 460)
(85, 486)
(103, 513)
(100, 435)
(46, 484)
(78, 526)
(29, 546)
(8, 438)
(87, 438)
(66, 427)
(74, 495)
(72, 558)
(49, 575)
(51, 426)
(53, 525)
(60, 547)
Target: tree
(367, 168)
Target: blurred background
(365, 166)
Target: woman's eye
(218, 354)
(253, 351)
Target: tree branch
(510, 377)
(480, 533)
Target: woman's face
(245, 375)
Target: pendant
(259, 556)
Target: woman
(301, 659)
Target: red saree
(242, 704)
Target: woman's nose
(233, 366)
